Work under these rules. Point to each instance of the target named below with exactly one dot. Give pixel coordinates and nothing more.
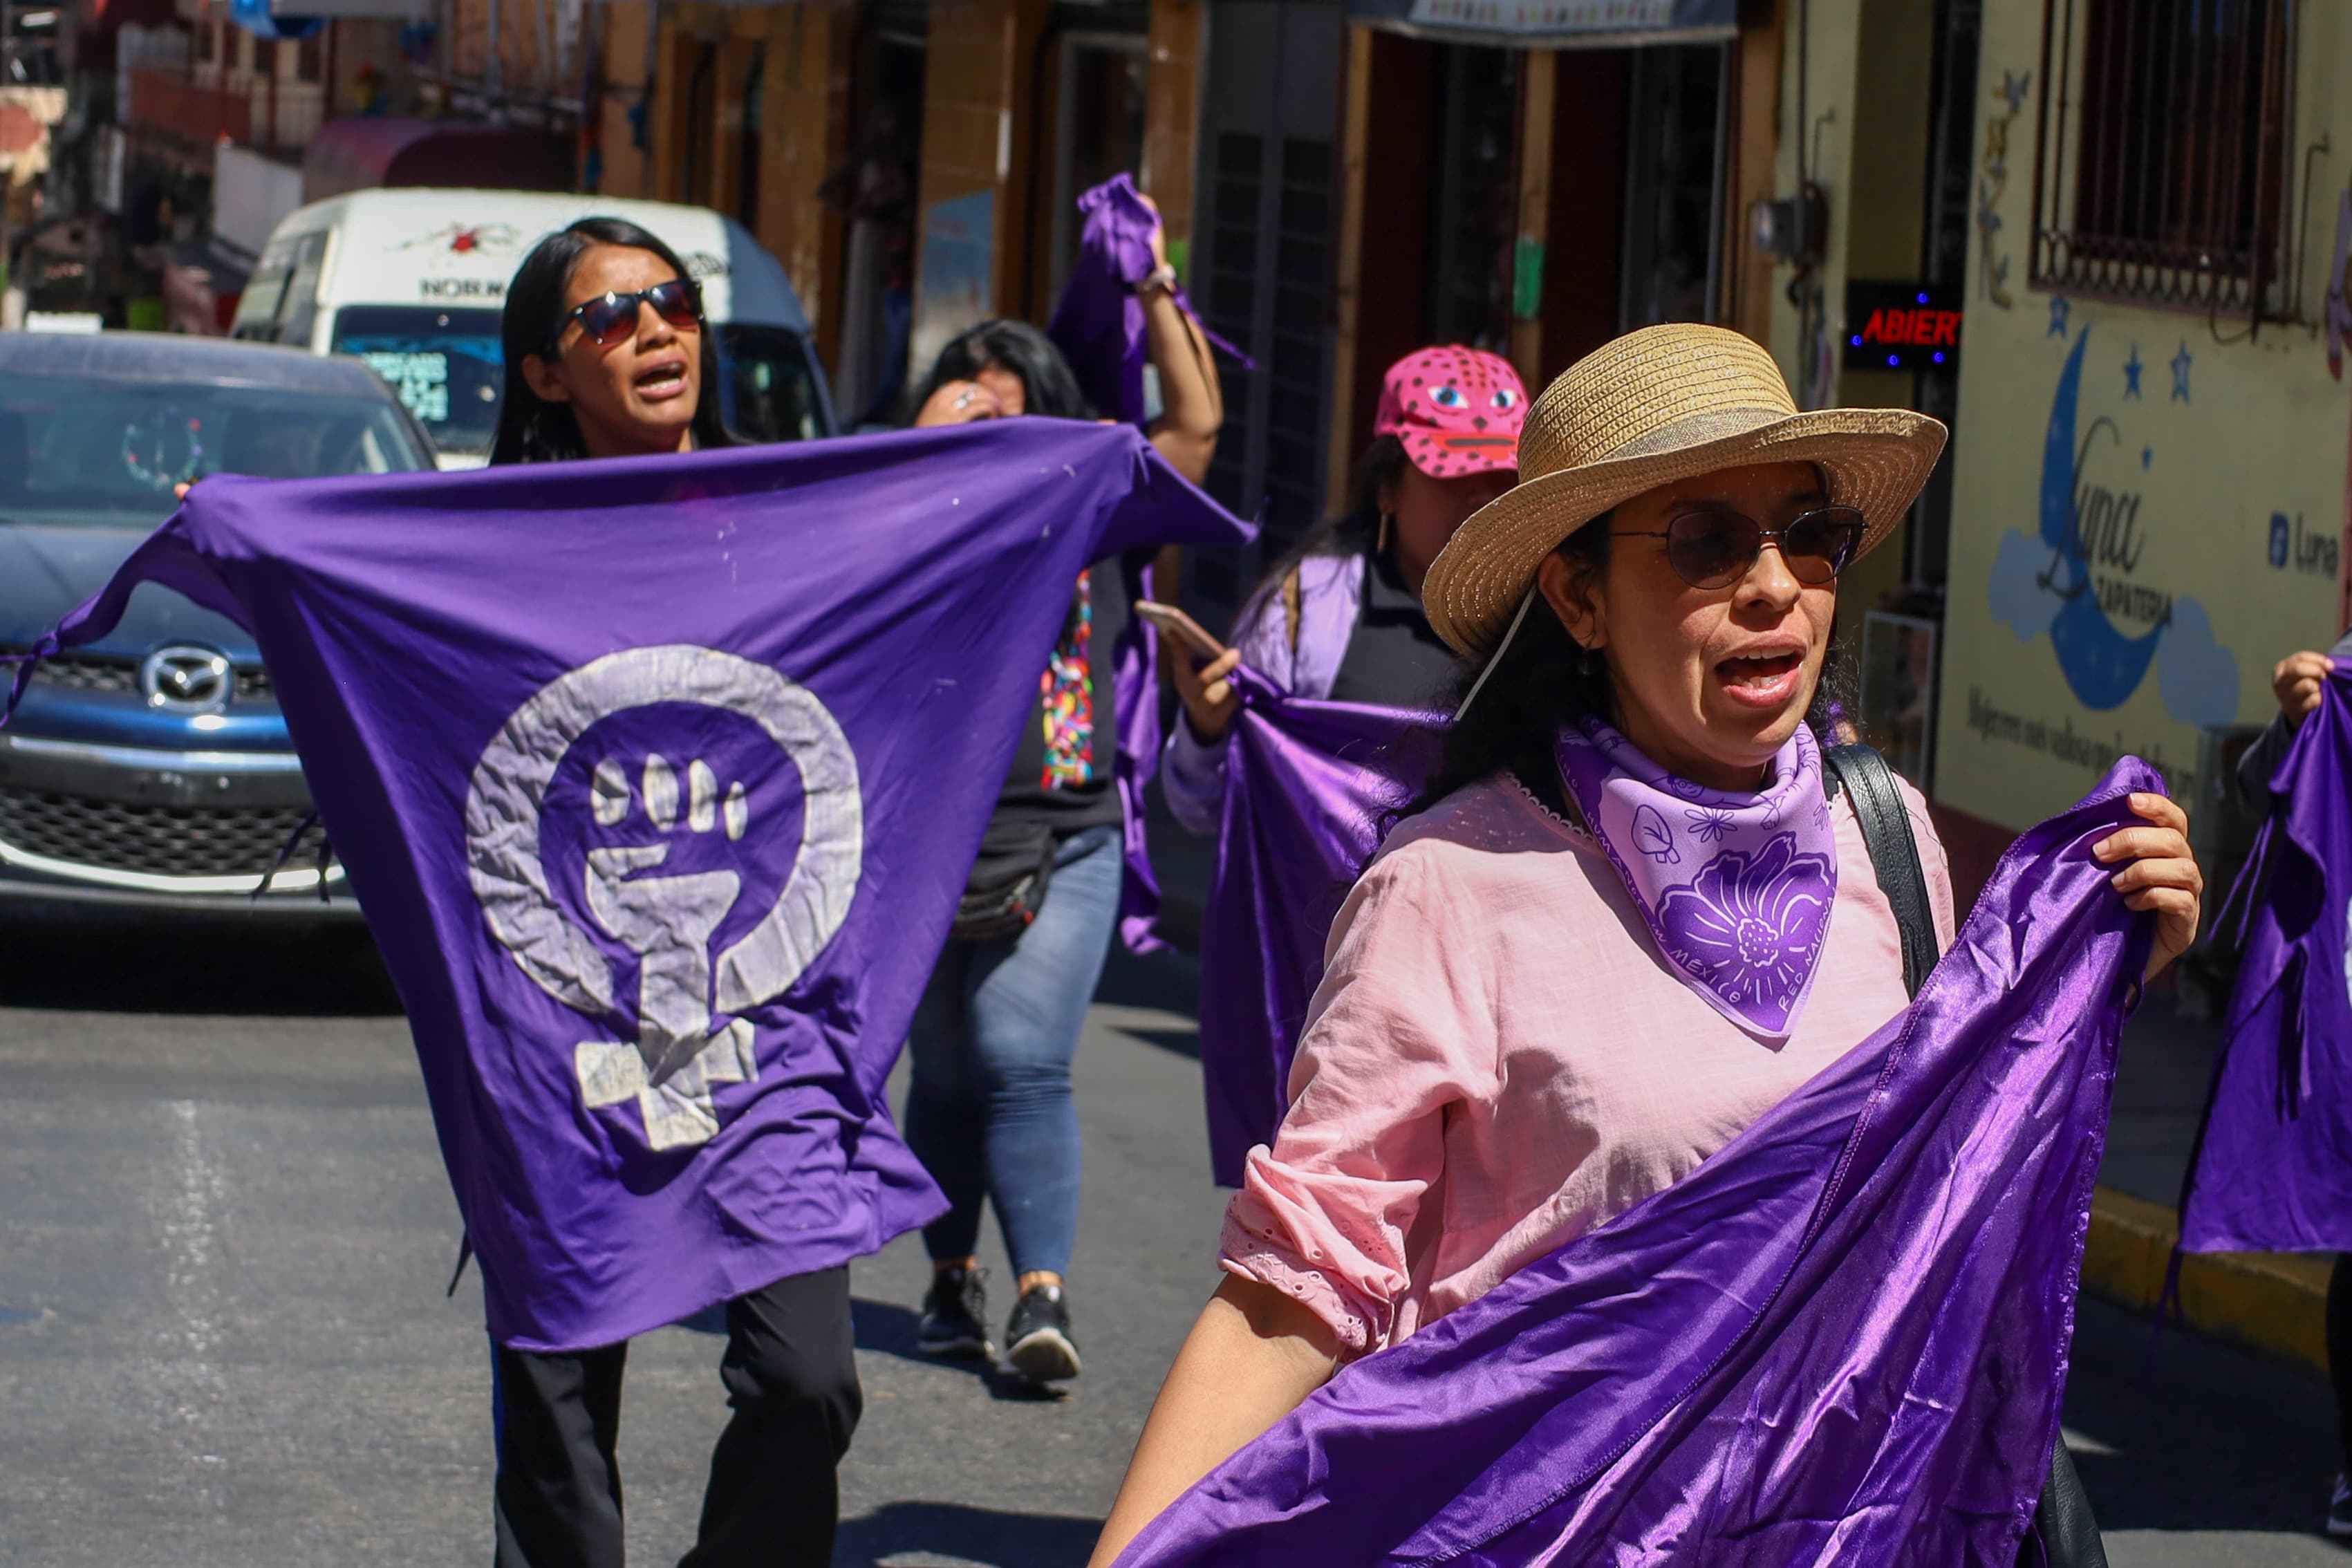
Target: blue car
(153, 768)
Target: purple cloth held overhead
(1309, 789)
(1098, 322)
(659, 781)
(1842, 1338)
(2273, 1169)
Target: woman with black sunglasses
(607, 357)
(1627, 917)
(607, 351)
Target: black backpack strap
(1885, 824)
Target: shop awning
(360, 153)
(1555, 24)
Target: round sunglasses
(609, 318)
(1715, 548)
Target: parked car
(152, 767)
(412, 281)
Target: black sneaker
(953, 1314)
(1037, 1340)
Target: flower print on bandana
(1737, 897)
(1750, 924)
(1067, 689)
(1709, 827)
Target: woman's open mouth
(660, 381)
(1764, 680)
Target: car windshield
(444, 364)
(769, 392)
(95, 452)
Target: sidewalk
(2273, 1303)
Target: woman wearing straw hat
(1341, 617)
(1501, 1057)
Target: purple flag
(659, 781)
(1098, 322)
(2273, 1169)
(1309, 789)
(1098, 326)
(1842, 1338)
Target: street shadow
(1168, 981)
(979, 1535)
(885, 1328)
(2258, 1456)
(73, 959)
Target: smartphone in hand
(1180, 627)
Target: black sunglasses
(1715, 548)
(609, 318)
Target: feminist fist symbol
(668, 921)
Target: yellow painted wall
(2221, 438)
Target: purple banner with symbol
(658, 781)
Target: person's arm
(1251, 1358)
(1192, 402)
(1400, 1039)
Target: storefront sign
(1562, 23)
(1901, 326)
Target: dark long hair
(1050, 387)
(1544, 681)
(531, 429)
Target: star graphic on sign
(2181, 363)
(2132, 367)
(2058, 309)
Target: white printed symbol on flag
(689, 1032)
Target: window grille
(2161, 173)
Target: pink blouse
(1498, 1061)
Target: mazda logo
(187, 679)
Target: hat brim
(1877, 461)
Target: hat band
(1697, 430)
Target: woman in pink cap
(1341, 617)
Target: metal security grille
(97, 672)
(1263, 266)
(156, 841)
(1302, 272)
(2161, 173)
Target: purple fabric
(1098, 322)
(1736, 889)
(1309, 786)
(674, 767)
(2273, 1169)
(1135, 673)
(1842, 1338)
(1098, 326)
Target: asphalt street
(225, 1240)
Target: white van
(412, 280)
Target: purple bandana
(1736, 889)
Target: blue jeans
(989, 1111)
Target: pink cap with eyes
(1458, 411)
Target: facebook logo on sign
(2278, 541)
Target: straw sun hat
(1664, 403)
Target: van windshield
(445, 364)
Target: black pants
(790, 1372)
(2339, 1348)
